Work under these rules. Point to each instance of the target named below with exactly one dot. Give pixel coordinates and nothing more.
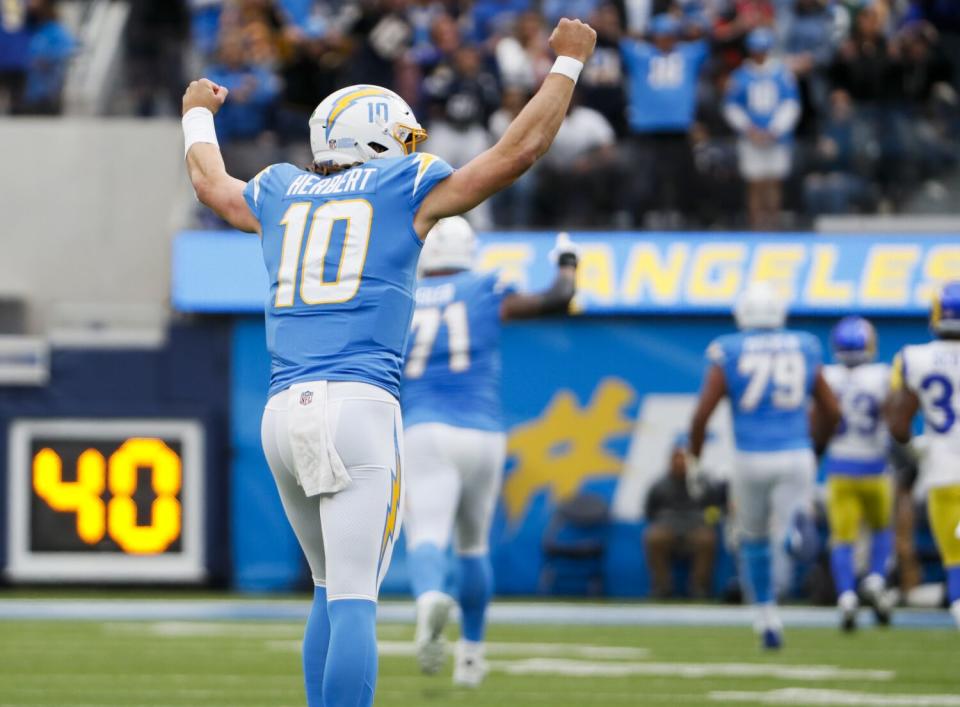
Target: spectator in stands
(492, 17)
(245, 121)
(462, 95)
(579, 181)
(524, 57)
(154, 45)
(762, 106)
(834, 185)
(809, 44)
(14, 54)
(603, 78)
(662, 90)
(678, 528)
(383, 34)
(737, 20)
(51, 47)
(253, 90)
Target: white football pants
(453, 480)
(767, 490)
(347, 536)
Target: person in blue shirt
(51, 47)
(771, 375)
(762, 105)
(662, 78)
(254, 90)
(14, 53)
(340, 244)
(454, 438)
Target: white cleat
(470, 664)
(847, 604)
(433, 611)
(955, 610)
(881, 599)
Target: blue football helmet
(945, 310)
(854, 341)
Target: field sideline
(226, 653)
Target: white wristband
(568, 66)
(198, 127)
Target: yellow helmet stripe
(346, 101)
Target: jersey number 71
(426, 326)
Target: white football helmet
(450, 245)
(361, 123)
(760, 306)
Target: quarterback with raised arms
(341, 241)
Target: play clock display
(105, 500)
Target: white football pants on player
(347, 536)
(452, 485)
(768, 489)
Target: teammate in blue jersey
(454, 432)
(763, 106)
(859, 489)
(341, 242)
(771, 375)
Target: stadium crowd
(684, 109)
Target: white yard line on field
(809, 696)
(407, 648)
(581, 668)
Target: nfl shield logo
(306, 397)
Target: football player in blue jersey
(341, 242)
(454, 432)
(858, 487)
(771, 375)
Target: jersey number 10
(358, 215)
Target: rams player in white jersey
(859, 487)
(341, 240)
(926, 378)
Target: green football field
(256, 662)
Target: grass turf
(74, 663)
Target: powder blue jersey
(341, 257)
(769, 376)
(662, 88)
(452, 374)
(761, 91)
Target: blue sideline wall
(571, 389)
(649, 303)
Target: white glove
(564, 246)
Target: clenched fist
(573, 38)
(204, 94)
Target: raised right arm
(525, 141)
(214, 188)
